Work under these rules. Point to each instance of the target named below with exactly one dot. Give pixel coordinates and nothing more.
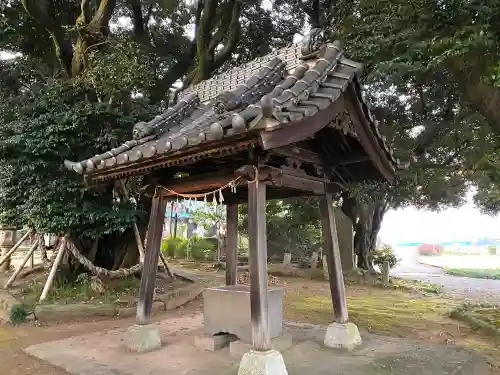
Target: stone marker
(142, 338)
(314, 259)
(325, 268)
(342, 336)
(287, 259)
(385, 273)
(7, 240)
(345, 236)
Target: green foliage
(492, 250)
(55, 125)
(385, 254)
(18, 313)
(489, 273)
(174, 247)
(194, 248)
(199, 248)
(208, 217)
(293, 226)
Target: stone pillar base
(342, 336)
(143, 338)
(262, 363)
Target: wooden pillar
(332, 252)
(151, 255)
(258, 264)
(231, 244)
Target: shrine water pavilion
(288, 124)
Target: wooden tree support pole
(231, 244)
(15, 247)
(53, 270)
(167, 268)
(258, 265)
(134, 226)
(332, 252)
(146, 290)
(139, 242)
(27, 257)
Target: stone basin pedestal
(226, 309)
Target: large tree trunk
(367, 220)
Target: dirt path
(473, 290)
(13, 339)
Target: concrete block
(126, 312)
(226, 309)
(238, 348)
(158, 307)
(213, 343)
(342, 336)
(143, 338)
(262, 363)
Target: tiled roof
(284, 86)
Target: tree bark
(367, 220)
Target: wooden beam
(351, 159)
(367, 138)
(198, 183)
(258, 265)
(23, 263)
(295, 179)
(231, 244)
(15, 247)
(298, 153)
(332, 251)
(53, 270)
(153, 244)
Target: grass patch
(80, 292)
(489, 273)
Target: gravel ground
(465, 288)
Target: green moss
(391, 313)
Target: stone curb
(53, 312)
(430, 265)
(47, 313)
(169, 301)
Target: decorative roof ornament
(313, 41)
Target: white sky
(462, 224)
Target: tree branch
(223, 26)
(163, 85)
(100, 21)
(233, 38)
(42, 11)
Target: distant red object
(430, 249)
